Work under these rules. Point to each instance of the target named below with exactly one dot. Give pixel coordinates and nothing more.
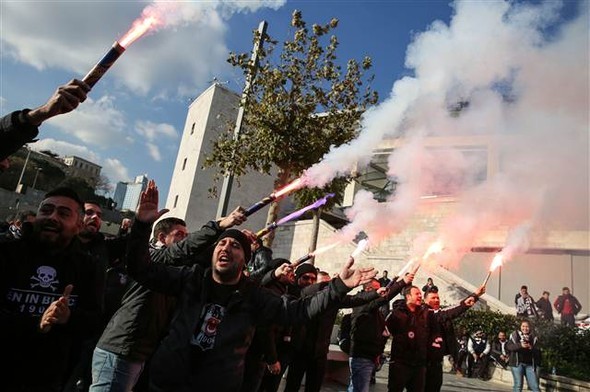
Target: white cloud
(153, 135)
(188, 49)
(152, 131)
(94, 122)
(154, 151)
(115, 170)
(111, 167)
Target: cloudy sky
(132, 121)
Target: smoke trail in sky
(511, 80)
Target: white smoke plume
(513, 79)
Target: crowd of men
(209, 310)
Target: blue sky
(133, 120)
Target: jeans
(112, 373)
(527, 371)
(361, 370)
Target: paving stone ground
(451, 383)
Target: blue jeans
(361, 370)
(112, 373)
(528, 371)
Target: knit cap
(241, 238)
(303, 269)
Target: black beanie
(276, 263)
(241, 238)
(303, 269)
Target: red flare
(138, 29)
(293, 186)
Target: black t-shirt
(212, 315)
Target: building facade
(80, 167)
(189, 198)
(127, 193)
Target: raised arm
(21, 127)
(286, 312)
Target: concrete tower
(209, 115)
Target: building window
(193, 128)
(175, 201)
(184, 164)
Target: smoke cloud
(510, 79)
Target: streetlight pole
(228, 180)
(22, 173)
(36, 175)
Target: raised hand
(58, 311)
(147, 210)
(355, 277)
(65, 99)
(480, 291)
(383, 292)
(469, 302)
(235, 218)
(409, 278)
(283, 270)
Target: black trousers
(401, 375)
(568, 319)
(434, 376)
(271, 382)
(477, 369)
(313, 368)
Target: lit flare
(360, 247)
(292, 187)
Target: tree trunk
(313, 243)
(273, 210)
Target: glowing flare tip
(139, 28)
(436, 247)
(361, 246)
(497, 262)
(293, 186)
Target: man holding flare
(219, 308)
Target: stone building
(210, 114)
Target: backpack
(344, 333)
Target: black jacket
(368, 324)
(318, 332)
(576, 306)
(15, 132)
(107, 255)
(261, 262)
(180, 363)
(411, 331)
(136, 328)
(31, 277)
(546, 309)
